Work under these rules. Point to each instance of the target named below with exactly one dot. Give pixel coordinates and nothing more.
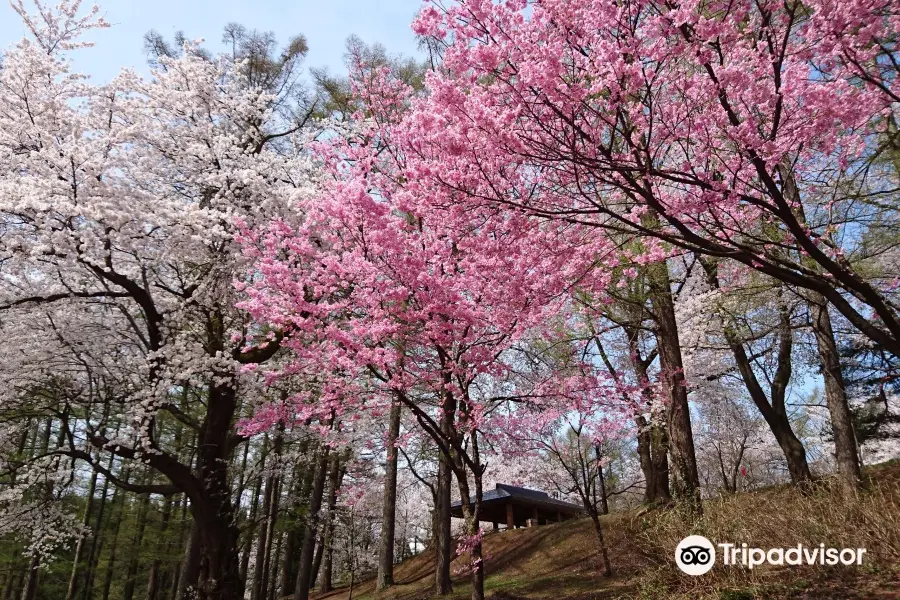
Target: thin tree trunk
(290, 558)
(604, 553)
(335, 476)
(30, 590)
(178, 563)
(79, 546)
(307, 549)
(604, 504)
(389, 504)
(31, 583)
(273, 576)
(153, 577)
(653, 443)
(96, 539)
(28, 439)
(443, 540)
(15, 581)
(328, 544)
(774, 413)
(270, 509)
(845, 447)
(472, 512)
(261, 547)
(136, 542)
(251, 524)
(118, 505)
(190, 568)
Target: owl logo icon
(695, 555)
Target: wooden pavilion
(520, 507)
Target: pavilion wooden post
(535, 516)
(496, 526)
(558, 517)
(510, 519)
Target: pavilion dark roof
(522, 495)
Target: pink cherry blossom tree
(746, 133)
(391, 294)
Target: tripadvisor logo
(696, 555)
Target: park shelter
(519, 507)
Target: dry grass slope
(560, 561)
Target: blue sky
(325, 23)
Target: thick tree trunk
(307, 548)
(219, 573)
(389, 504)
(845, 448)
(680, 434)
(219, 577)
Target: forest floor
(561, 561)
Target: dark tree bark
(290, 556)
(153, 576)
(680, 434)
(653, 443)
(31, 584)
(79, 546)
(94, 553)
(443, 539)
(261, 546)
(250, 525)
(389, 504)
(774, 413)
(323, 554)
(601, 481)
(137, 540)
(267, 529)
(273, 568)
(219, 572)
(846, 451)
(190, 567)
(307, 549)
(185, 526)
(118, 505)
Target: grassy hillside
(560, 561)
